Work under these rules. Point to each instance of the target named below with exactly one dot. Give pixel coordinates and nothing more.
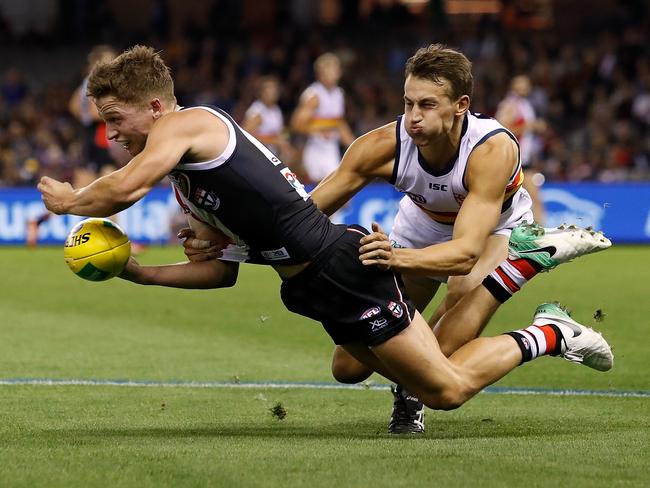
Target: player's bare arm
(489, 169)
(370, 156)
(173, 136)
(195, 274)
(188, 274)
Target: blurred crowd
(590, 87)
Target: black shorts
(355, 303)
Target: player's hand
(198, 249)
(376, 250)
(55, 194)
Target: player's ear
(462, 105)
(156, 108)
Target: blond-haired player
(320, 116)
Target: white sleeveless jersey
(272, 122)
(330, 111)
(321, 154)
(440, 195)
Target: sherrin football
(96, 249)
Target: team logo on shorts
(371, 312)
(207, 199)
(380, 323)
(396, 309)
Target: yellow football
(96, 249)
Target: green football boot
(550, 247)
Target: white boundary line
(311, 386)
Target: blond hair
(436, 62)
(326, 59)
(135, 76)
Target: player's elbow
(468, 259)
(230, 274)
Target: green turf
(54, 325)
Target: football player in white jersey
(264, 119)
(462, 176)
(320, 116)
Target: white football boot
(580, 344)
(550, 247)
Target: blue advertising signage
(621, 210)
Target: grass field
(56, 326)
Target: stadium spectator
(265, 121)
(516, 113)
(586, 75)
(320, 116)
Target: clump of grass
(278, 411)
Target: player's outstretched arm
(489, 169)
(172, 136)
(198, 273)
(191, 275)
(368, 157)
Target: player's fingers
(197, 257)
(370, 246)
(377, 228)
(185, 232)
(373, 237)
(43, 184)
(194, 243)
(375, 255)
(383, 265)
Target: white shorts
(415, 229)
(320, 157)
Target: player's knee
(449, 398)
(347, 373)
(453, 296)
(456, 290)
(449, 344)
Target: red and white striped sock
(538, 340)
(508, 278)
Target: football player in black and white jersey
(232, 185)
